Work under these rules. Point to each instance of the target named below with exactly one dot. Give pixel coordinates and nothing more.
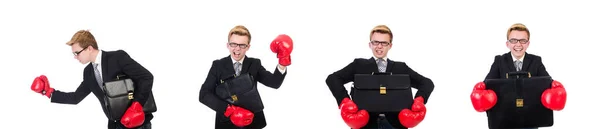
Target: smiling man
(517, 59)
(380, 43)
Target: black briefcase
(240, 91)
(519, 101)
(382, 92)
(119, 96)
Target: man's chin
(518, 53)
(378, 55)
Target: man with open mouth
(231, 116)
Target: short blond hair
(382, 29)
(517, 27)
(84, 38)
(240, 30)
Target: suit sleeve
(70, 97)
(207, 95)
(542, 69)
(423, 84)
(142, 78)
(494, 70)
(273, 80)
(336, 81)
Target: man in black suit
(229, 116)
(103, 66)
(517, 59)
(381, 42)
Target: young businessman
(234, 117)
(517, 60)
(103, 66)
(380, 44)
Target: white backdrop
(451, 42)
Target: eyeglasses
(383, 43)
(242, 46)
(77, 52)
(522, 41)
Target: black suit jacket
(222, 69)
(337, 80)
(113, 63)
(504, 64)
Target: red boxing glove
(555, 97)
(352, 116)
(483, 99)
(134, 116)
(240, 117)
(283, 46)
(411, 118)
(42, 85)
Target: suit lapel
(103, 65)
(526, 62)
(228, 64)
(390, 65)
(509, 62)
(373, 64)
(245, 65)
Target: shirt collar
(384, 58)
(98, 57)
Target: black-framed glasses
(522, 41)
(383, 43)
(77, 52)
(242, 46)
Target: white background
(451, 42)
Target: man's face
(517, 42)
(81, 54)
(238, 45)
(380, 44)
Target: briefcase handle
(380, 73)
(228, 78)
(518, 74)
(123, 76)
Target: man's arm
(71, 97)
(494, 70)
(423, 84)
(336, 81)
(142, 78)
(207, 91)
(273, 80)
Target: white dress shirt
(99, 62)
(384, 59)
